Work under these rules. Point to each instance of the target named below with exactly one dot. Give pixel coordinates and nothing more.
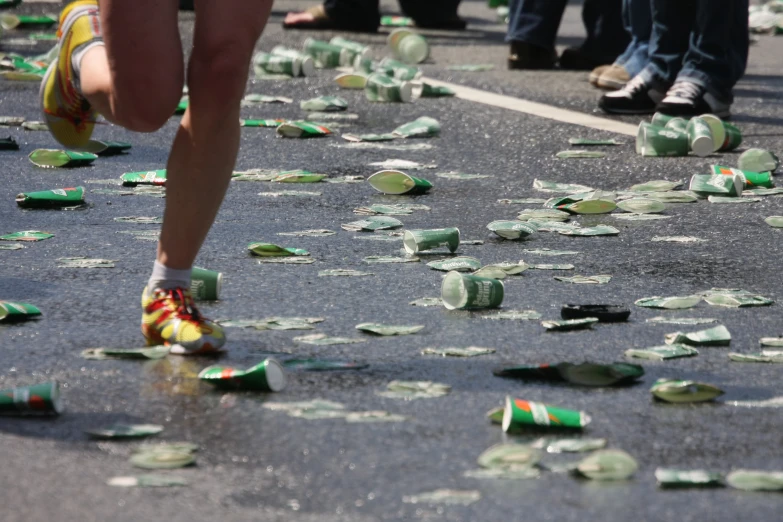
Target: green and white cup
(416, 241)
(395, 182)
(520, 413)
(718, 129)
(205, 284)
(267, 376)
(12, 312)
(399, 70)
(700, 137)
(356, 49)
(266, 63)
(659, 141)
(733, 137)
(751, 179)
(326, 55)
(39, 399)
(660, 119)
(383, 88)
(408, 46)
(678, 124)
(466, 292)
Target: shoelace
(635, 85)
(185, 308)
(686, 90)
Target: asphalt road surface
(259, 464)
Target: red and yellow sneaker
(66, 111)
(170, 317)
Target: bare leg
(136, 79)
(205, 148)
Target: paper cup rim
(508, 414)
(275, 375)
(451, 279)
(307, 66)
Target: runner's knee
(145, 106)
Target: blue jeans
(637, 20)
(537, 21)
(701, 41)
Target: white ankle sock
(76, 61)
(167, 278)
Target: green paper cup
(408, 46)
(12, 312)
(519, 413)
(399, 70)
(57, 198)
(700, 137)
(395, 183)
(467, 292)
(660, 119)
(751, 179)
(326, 55)
(356, 49)
(383, 88)
(267, 376)
(659, 141)
(416, 241)
(275, 64)
(677, 124)
(205, 284)
(39, 399)
(733, 137)
(718, 129)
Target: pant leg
(631, 47)
(606, 37)
(354, 14)
(672, 24)
(535, 21)
(718, 50)
(640, 14)
(429, 12)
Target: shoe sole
(153, 338)
(65, 26)
(625, 111)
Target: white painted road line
(537, 109)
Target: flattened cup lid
(453, 291)
(351, 80)
(391, 182)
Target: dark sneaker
(636, 97)
(688, 99)
(528, 56)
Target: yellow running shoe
(66, 111)
(170, 317)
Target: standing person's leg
(532, 30)
(638, 19)
(606, 37)
(715, 61)
(673, 21)
(347, 15)
(434, 14)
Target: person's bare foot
(299, 18)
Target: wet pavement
(258, 464)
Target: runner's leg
(205, 148)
